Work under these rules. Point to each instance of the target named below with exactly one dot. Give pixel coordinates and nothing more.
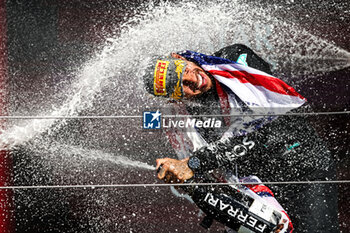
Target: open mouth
(201, 81)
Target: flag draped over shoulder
(258, 90)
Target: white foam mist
(90, 154)
(72, 153)
(204, 27)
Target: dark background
(46, 37)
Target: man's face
(195, 81)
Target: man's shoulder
(245, 55)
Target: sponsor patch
(242, 59)
(177, 94)
(159, 83)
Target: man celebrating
(248, 98)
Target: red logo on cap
(160, 77)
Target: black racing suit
(286, 149)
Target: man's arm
(223, 153)
(215, 155)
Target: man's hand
(173, 170)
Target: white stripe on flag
(258, 96)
